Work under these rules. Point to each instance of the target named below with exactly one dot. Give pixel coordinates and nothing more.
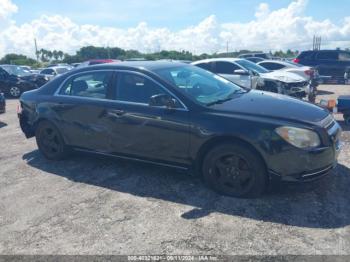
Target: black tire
(50, 141)
(235, 170)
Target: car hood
(271, 105)
(282, 76)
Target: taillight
(309, 72)
(19, 108)
(296, 60)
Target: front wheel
(235, 170)
(15, 91)
(50, 141)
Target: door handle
(115, 113)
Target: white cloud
(7, 8)
(270, 30)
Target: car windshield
(15, 70)
(251, 66)
(205, 87)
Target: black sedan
(2, 103)
(182, 116)
(14, 80)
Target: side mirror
(241, 72)
(162, 100)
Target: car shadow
(322, 204)
(344, 126)
(323, 92)
(2, 124)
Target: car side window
(3, 74)
(226, 68)
(272, 66)
(92, 85)
(206, 66)
(343, 56)
(327, 56)
(136, 88)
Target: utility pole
(227, 48)
(36, 50)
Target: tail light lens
(19, 108)
(310, 72)
(296, 60)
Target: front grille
(297, 84)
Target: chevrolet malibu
(182, 116)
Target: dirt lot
(95, 205)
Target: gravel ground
(96, 205)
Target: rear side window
(272, 66)
(136, 88)
(327, 56)
(206, 66)
(92, 85)
(225, 68)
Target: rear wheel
(235, 170)
(15, 91)
(50, 141)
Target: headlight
(299, 137)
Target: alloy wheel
(233, 173)
(15, 91)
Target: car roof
(140, 65)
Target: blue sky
(173, 14)
(199, 26)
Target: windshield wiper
(228, 98)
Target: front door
(140, 130)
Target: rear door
(80, 108)
(137, 129)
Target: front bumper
(296, 165)
(298, 88)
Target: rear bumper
(2, 107)
(27, 129)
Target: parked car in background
(304, 71)
(252, 76)
(332, 63)
(2, 103)
(261, 55)
(97, 62)
(60, 65)
(52, 72)
(75, 64)
(307, 72)
(27, 69)
(182, 116)
(14, 80)
(254, 59)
